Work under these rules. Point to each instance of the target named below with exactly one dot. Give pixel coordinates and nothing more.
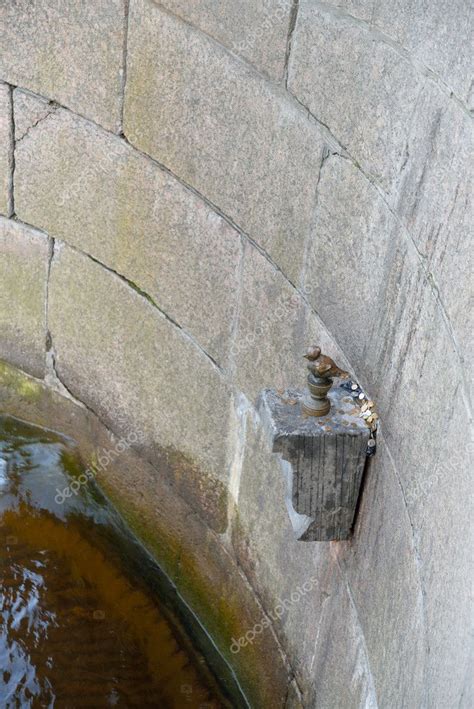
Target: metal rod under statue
(321, 370)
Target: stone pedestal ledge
(325, 460)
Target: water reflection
(87, 620)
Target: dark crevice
(11, 159)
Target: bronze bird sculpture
(323, 366)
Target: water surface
(87, 618)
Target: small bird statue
(322, 369)
(322, 365)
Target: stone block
(24, 256)
(222, 129)
(29, 110)
(293, 580)
(361, 88)
(256, 31)
(6, 149)
(117, 353)
(95, 192)
(326, 455)
(69, 52)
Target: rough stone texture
(24, 255)
(391, 615)
(436, 35)
(207, 576)
(29, 110)
(441, 511)
(189, 104)
(99, 195)
(385, 262)
(271, 339)
(70, 52)
(256, 31)
(127, 353)
(327, 455)
(265, 545)
(355, 230)
(341, 667)
(362, 89)
(6, 147)
(269, 343)
(435, 203)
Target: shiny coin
(361, 395)
(369, 419)
(354, 387)
(364, 407)
(371, 443)
(370, 404)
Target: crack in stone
(143, 294)
(372, 694)
(52, 108)
(402, 51)
(337, 150)
(48, 339)
(11, 158)
(417, 559)
(126, 9)
(326, 153)
(289, 40)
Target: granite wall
(192, 192)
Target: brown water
(87, 618)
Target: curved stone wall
(192, 193)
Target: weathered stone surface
(381, 551)
(257, 31)
(435, 35)
(355, 230)
(429, 447)
(362, 89)
(341, 668)
(223, 130)
(207, 576)
(116, 351)
(327, 456)
(361, 9)
(24, 255)
(6, 148)
(29, 110)
(435, 203)
(98, 194)
(269, 344)
(70, 52)
(275, 563)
